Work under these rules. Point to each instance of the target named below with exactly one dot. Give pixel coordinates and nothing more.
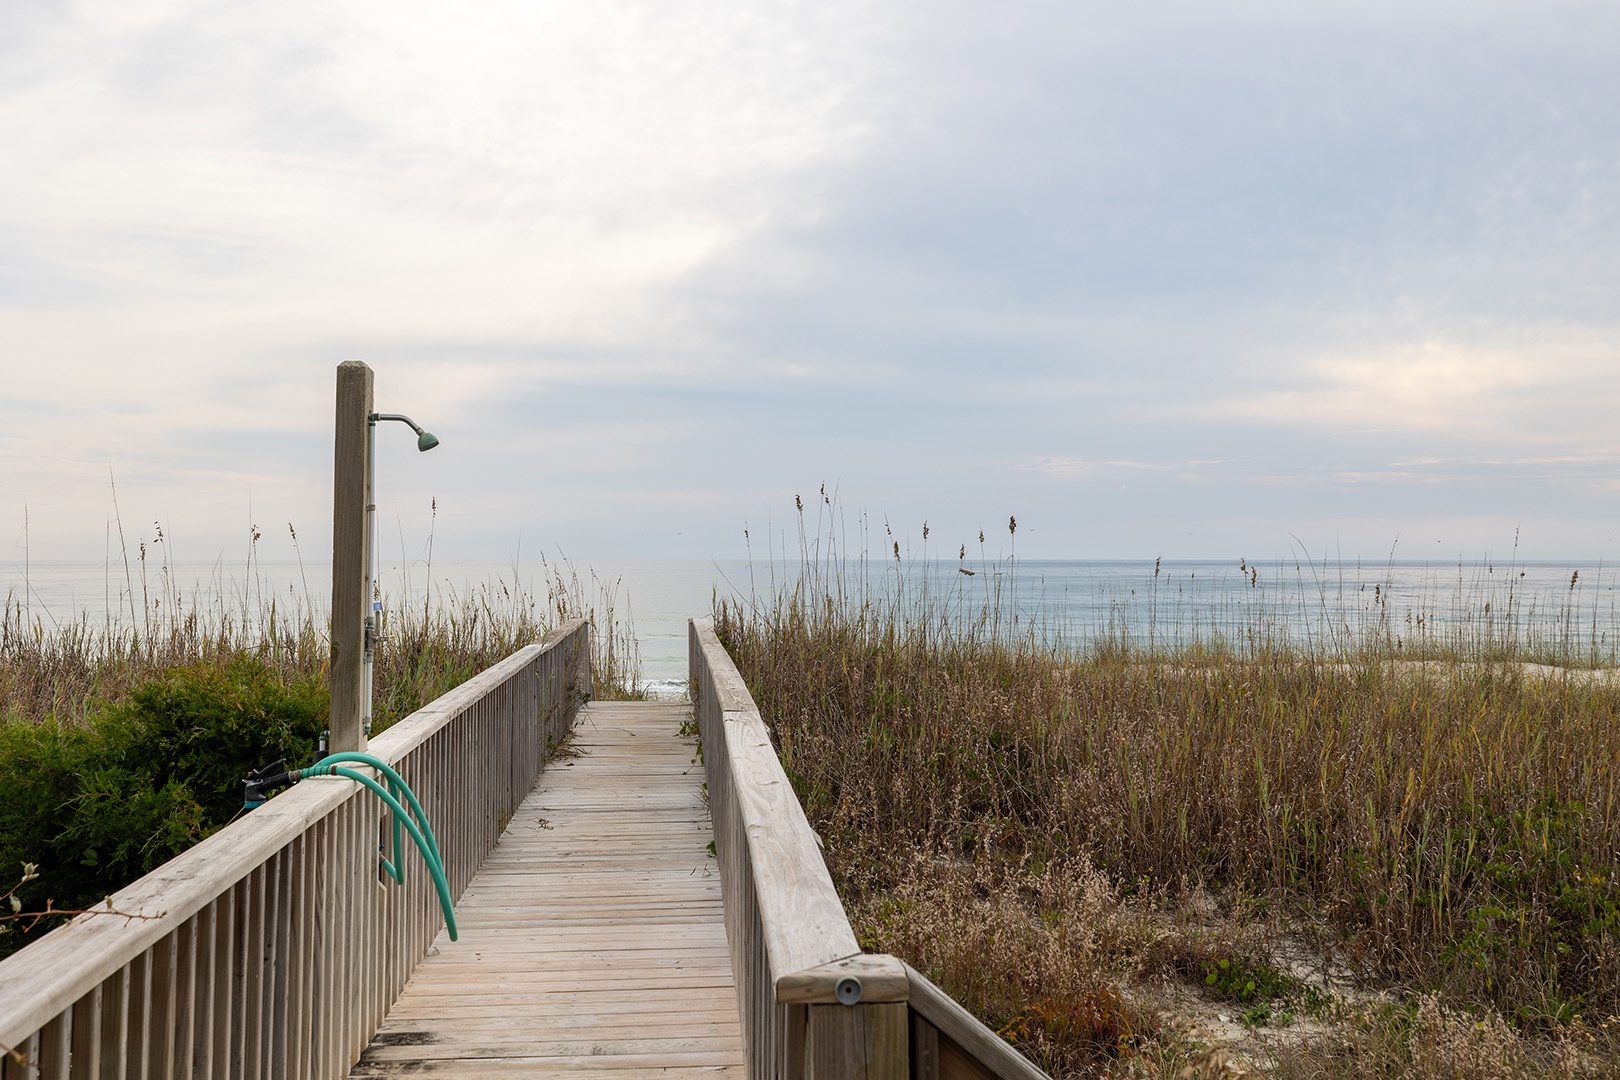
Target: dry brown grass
(428, 647)
(1074, 842)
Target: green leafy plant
(94, 806)
(1247, 980)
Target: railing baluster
(372, 892)
(791, 944)
(87, 1036)
(299, 1063)
(270, 950)
(349, 871)
(321, 990)
(26, 1069)
(160, 1009)
(177, 1058)
(255, 967)
(314, 914)
(56, 1047)
(140, 997)
(115, 1024)
(273, 950)
(226, 970)
(200, 1065)
(340, 914)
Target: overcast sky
(1183, 279)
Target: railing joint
(877, 978)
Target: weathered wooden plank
(548, 1069)
(227, 969)
(870, 978)
(543, 991)
(633, 878)
(860, 1042)
(42, 981)
(202, 994)
(56, 1048)
(540, 960)
(248, 999)
(87, 1035)
(965, 1038)
(783, 915)
(115, 1004)
(956, 1063)
(447, 1044)
(924, 1049)
(630, 936)
(671, 1017)
(637, 1004)
(566, 901)
(584, 1062)
(593, 936)
(351, 553)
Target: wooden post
(584, 681)
(351, 570)
(858, 1042)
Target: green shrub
(208, 726)
(100, 804)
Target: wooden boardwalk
(593, 938)
(596, 909)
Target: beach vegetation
(1233, 850)
(125, 740)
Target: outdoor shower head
(425, 440)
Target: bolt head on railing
(848, 990)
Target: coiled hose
(414, 822)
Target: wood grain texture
(593, 938)
(956, 1063)
(881, 978)
(350, 553)
(598, 932)
(790, 939)
(924, 1049)
(968, 1050)
(799, 910)
(783, 915)
(271, 950)
(860, 1042)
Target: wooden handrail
(270, 950)
(813, 1006)
(942, 1028)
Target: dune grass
(429, 646)
(1372, 865)
(124, 742)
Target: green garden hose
(397, 787)
(413, 821)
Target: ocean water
(1567, 604)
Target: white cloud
(203, 209)
(1077, 467)
(1431, 386)
(504, 172)
(940, 251)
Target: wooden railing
(271, 951)
(813, 1006)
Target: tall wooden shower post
(351, 554)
